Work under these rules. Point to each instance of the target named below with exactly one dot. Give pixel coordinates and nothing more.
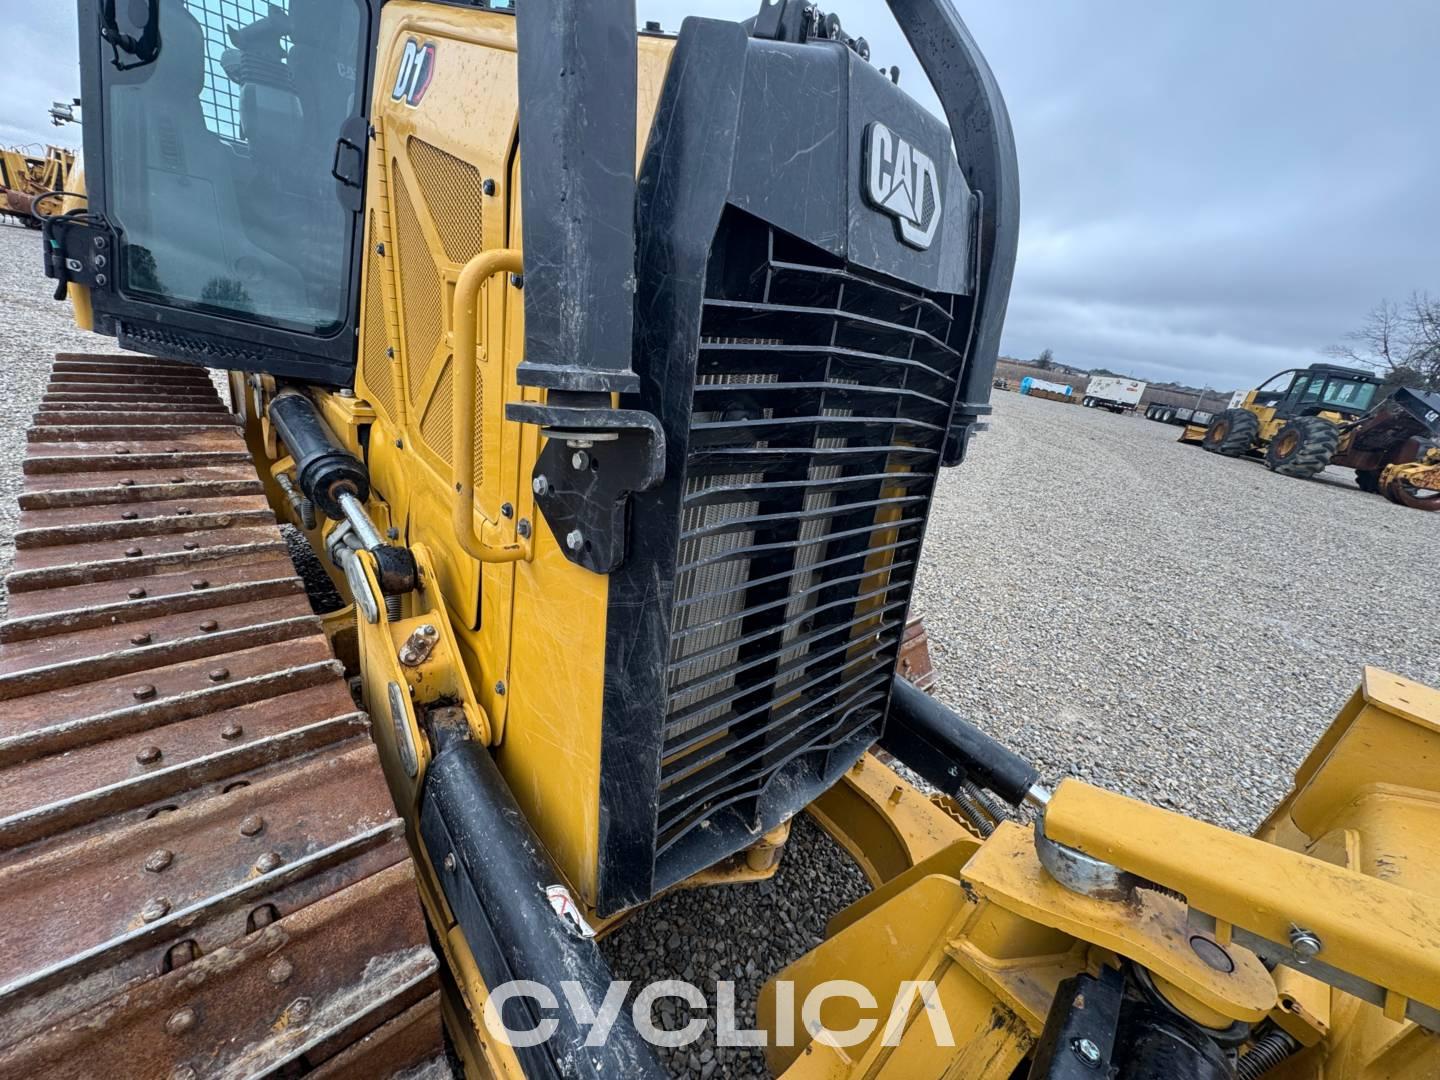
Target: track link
(201, 871)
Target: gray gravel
(1169, 623)
(1116, 606)
(33, 328)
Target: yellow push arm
(1368, 931)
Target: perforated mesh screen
(423, 320)
(376, 364)
(452, 190)
(436, 424)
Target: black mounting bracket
(79, 248)
(593, 460)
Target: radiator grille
(820, 406)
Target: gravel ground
(1114, 605)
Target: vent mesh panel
(436, 425)
(820, 406)
(452, 191)
(424, 323)
(378, 377)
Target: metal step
(201, 871)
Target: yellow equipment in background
(1303, 420)
(25, 176)
(608, 377)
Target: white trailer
(1117, 395)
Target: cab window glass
(219, 156)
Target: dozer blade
(201, 871)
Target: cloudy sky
(1209, 192)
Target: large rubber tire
(1089, 403)
(1303, 447)
(1368, 480)
(1231, 433)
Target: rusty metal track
(201, 871)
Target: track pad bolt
(269, 862)
(180, 1022)
(280, 971)
(159, 859)
(231, 731)
(148, 755)
(155, 909)
(252, 825)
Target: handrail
(467, 299)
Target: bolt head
(427, 631)
(148, 755)
(500, 687)
(488, 187)
(133, 552)
(1086, 1051)
(580, 460)
(200, 583)
(522, 528)
(575, 540)
(1305, 943)
(252, 825)
(269, 862)
(507, 510)
(140, 639)
(231, 731)
(209, 626)
(450, 862)
(155, 909)
(136, 593)
(180, 1021)
(219, 674)
(159, 859)
(280, 971)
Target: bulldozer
(607, 376)
(1305, 419)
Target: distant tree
(1399, 341)
(1046, 359)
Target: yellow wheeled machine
(1302, 420)
(608, 377)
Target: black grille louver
(820, 407)
(811, 369)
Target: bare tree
(1046, 359)
(1400, 341)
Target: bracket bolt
(450, 862)
(1306, 943)
(580, 461)
(427, 631)
(507, 510)
(522, 529)
(500, 687)
(488, 187)
(1087, 1052)
(540, 485)
(576, 540)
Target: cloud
(1208, 191)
